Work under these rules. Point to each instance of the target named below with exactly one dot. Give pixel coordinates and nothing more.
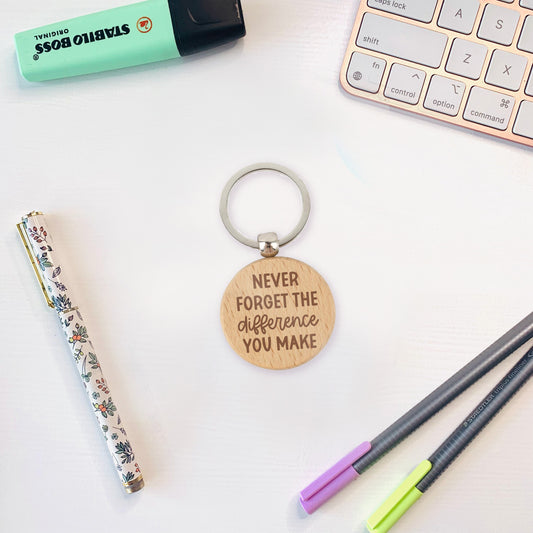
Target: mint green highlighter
(135, 34)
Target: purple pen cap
(333, 480)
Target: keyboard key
(489, 108)
(529, 86)
(526, 37)
(524, 120)
(413, 9)
(403, 40)
(466, 58)
(498, 24)
(405, 84)
(365, 72)
(444, 95)
(506, 70)
(459, 15)
(527, 3)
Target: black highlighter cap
(202, 24)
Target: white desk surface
(422, 230)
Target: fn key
(365, 72)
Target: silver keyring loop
(264, 166)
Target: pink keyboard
(465, 62)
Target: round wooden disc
(277, 313)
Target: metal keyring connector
(252, 168)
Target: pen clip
(333, 480)
(24, 236)
(399, 501)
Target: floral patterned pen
(41, 250)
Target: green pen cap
(153, 30)
(399, 501)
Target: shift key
(402, 40)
